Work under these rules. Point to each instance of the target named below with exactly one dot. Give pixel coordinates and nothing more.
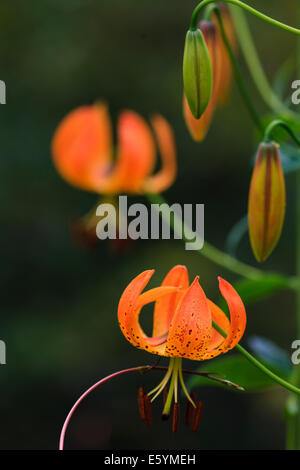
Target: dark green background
(58, 301)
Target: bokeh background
(59, 300)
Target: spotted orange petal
(237, 320)
(81, 147)
(190, 329)
(166, 306)
(130, 305)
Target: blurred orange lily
(183, 324)
(82, 151)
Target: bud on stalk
(197, 73)
(266, 207)
(198, 127)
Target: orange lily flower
(182, 327)
(82, 151)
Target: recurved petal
(135, 154)
(166, 143)
(237, 320)
(166, 306)
(127, 304)
(130, 305)
(219, 317)
(81, 147)
(190, 329)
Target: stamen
(160, 387)
(141, 402)
(176, 415)
(165, 394)
(173, 386)
(148, 410)
(190, 409)
(184, 386)
(197, 416)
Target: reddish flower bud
(224, 79)
(266, 208)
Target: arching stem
(238, 3)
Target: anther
(148, 410)
(176, 415)
(189, 409)
(197, 416)
(141, 402)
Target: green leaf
(235, 368)
(235, 235)
(252, 290)
(271, 354)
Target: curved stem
(208, 250)
(285, 126)
(87, 392)
(253, 11)
(254, 65)
(238, 76)
(259, 365)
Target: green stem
(236, 70)
(208, 250)
(279, 123)
(254, 65)
(258, 14)
(259, 365)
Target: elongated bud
(197, 417)
(197, 73)
(176, 416)
(266, 207)
(224, 79)
(198, 127)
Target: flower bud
(266, 206)
(197, 73)
(198, 127)
(224, 79)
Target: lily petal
(166, 306)
(237, 320)
(219, 317)
(190, 329)
(130, 305)
(82, 145)
(135, 155)
(166, 143)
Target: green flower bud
(197, 73)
